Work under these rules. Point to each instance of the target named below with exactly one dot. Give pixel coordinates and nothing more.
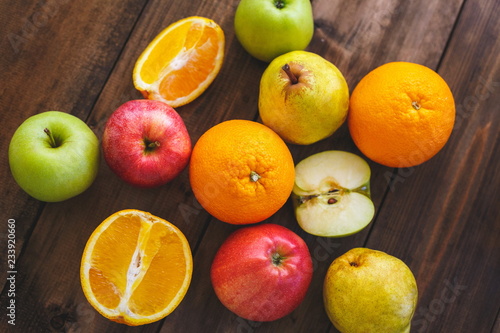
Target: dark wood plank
(496, 328)
(361, 36)
(55, 56)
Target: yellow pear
(370, 291)
(303, 97)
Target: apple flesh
(146, 143)
(54, 156)
(370, 291)
(262, 272)
(331, 194)
(269, 28)
(303, 97)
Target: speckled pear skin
(370, 291)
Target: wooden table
(441, 218)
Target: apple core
(331, 195)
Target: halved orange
(181, 61)
(136, 268)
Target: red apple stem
(150, 146)
(277, 259)
(153, 144)
(288, 72)
(53, 143)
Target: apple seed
(332, 201)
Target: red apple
(146, 143)
(262, 273)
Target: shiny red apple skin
(133, 126)
(248, 283)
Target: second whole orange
(241, 171)
(401, 114)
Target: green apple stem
(291, 76)
(52, 141)
(279, 4)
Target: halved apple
(331, 194)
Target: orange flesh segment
(178, 82)
(132, 261)
(111, 260)
(165, 273)
(156, 60)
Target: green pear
(370, 291)
(303, 97)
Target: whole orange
(401, 114)
(241, 171)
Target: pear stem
(291, 76)
(52, 142)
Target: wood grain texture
(55, 56)
(441, 218)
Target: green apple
(54, 156)
(331, 194)
(303, 97)
(370, 291)
(269, 28)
